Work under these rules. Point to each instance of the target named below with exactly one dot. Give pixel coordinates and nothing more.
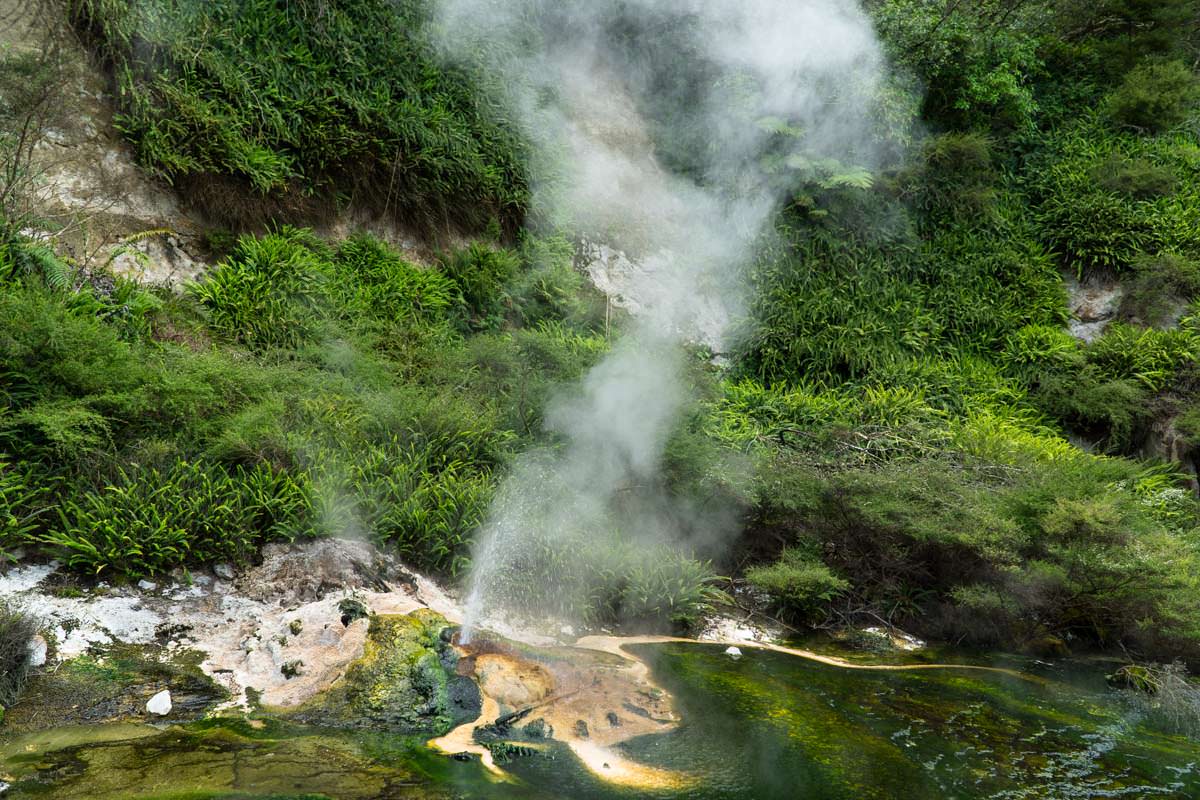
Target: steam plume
(660, 128)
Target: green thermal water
(765, 726)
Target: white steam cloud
(660, 128)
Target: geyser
(666, 129)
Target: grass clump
(17, 630)
(145, 521)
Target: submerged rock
(733, 652)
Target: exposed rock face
(1094, 303)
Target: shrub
(799, 583)
(1155, 96)
(372, 280)
(22, 502)
(482, 274)
(259, 109)
(957, 179)
(1138, 178)
(1160, 289)
(17, 630)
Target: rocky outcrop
(404, 682)
(1094, 303)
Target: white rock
(147, 586)
(223, 571)
(160, 704)
(3, 787)
(37, 652)
(733, 652)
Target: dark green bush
(1138, 178)
(799, 582)
(957, 179)
(1161, 288)
(371, 280)
(482, 274)
(269, 292)
(1155, 96)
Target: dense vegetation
(261, 110)
(894, 429)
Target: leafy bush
(1155, 96)
(268, 292)
(1160, 290)
(798, 582)
(604, 578)
(957, 178)
(425, 499)
(371, 280)
(147, 521)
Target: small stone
(38, 650)
(160, 704)
(3, 787)
(223, 571)
(147, 586)
(733, 652)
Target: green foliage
(147, 521)
(1160, 290)
(1155, 96)
(260, 108)
(481, 273)
(1106, 199)
(605, 578)
(370, 280)
(268, 292)
(978, 61)
(799, 582)
(956, 178)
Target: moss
(400, 684)
(114, 685)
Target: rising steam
(660, 129)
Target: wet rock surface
(400, 683)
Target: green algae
(760, 727)
(400, 684)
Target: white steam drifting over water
(602, 89)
